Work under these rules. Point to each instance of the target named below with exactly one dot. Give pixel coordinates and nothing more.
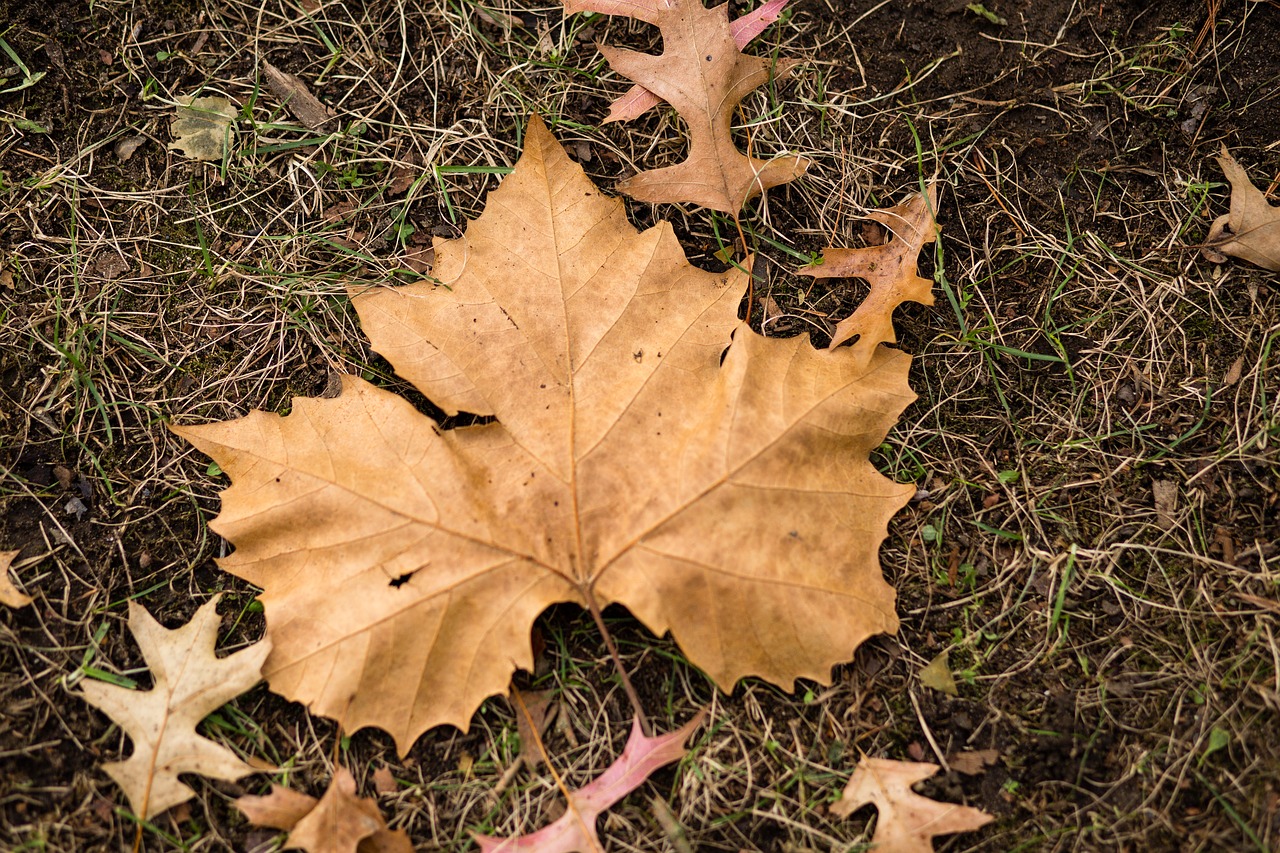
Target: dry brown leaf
(703, 75)
(575, 830)
(534, 712)
(295, 95)
(1251, 231)
(974, 761)
(190, 684)
(638, 100)
(733, 505)
(507, 21)
(10, 595)
(936, 675)
(281, 809)
(890, 268)
(384, 781)
(339, 822)
(905, 821)
(201, 127)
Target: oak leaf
(575, 830)
(890, 268)
(905, 821)
(339, 822)
(10, 595)
(190, 683)
(638, 100)
(1251, 231)
(732, 504)
(703, 75)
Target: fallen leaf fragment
(201, 127)
(974, 761)
(295, 95)
(534, 712)
(10, 595)
(575, 830)
(384, 781)
(703, 75)
(190, 683)
(936, 675)
(647, 448)
(1251, 231)
(507, 21)
(905, 822)
(339, 822)
(281, 809)
(638, 100)
(890, 268)
(126, 147)
(1164, 494)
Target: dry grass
(1120, 653)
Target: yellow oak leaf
(905, 821)
(191, 682)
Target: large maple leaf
(703, 75)
(648, 448)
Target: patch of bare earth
(1095, 540)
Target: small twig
(928, 733)
(627, 686)
(537, 739)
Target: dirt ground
(1096, 537)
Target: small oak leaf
(191, 682)
(905, 821)
(890, 268)
(1251, 231)
(638, 100)
(338, 822)
(702, 73)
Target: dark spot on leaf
(402, 580)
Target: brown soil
(1101, 647)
